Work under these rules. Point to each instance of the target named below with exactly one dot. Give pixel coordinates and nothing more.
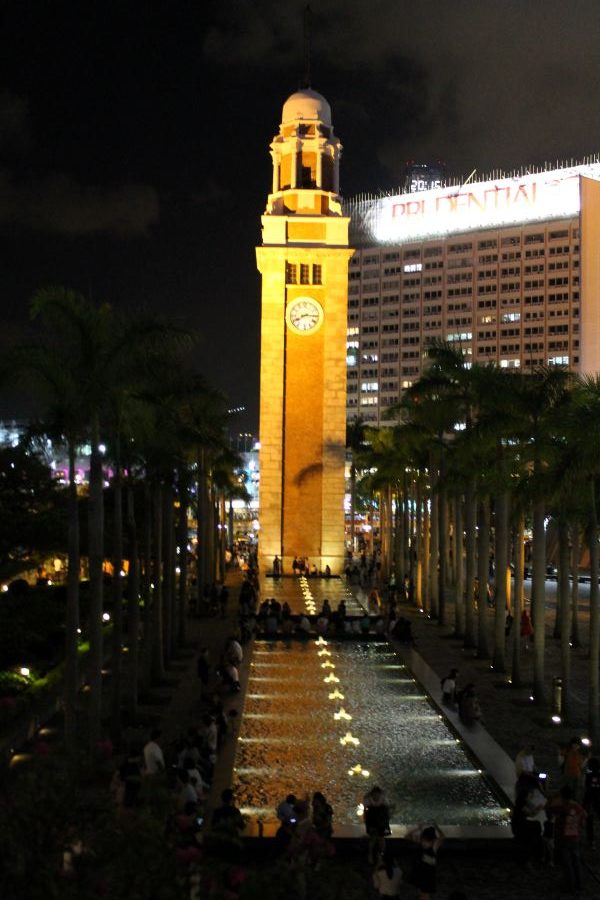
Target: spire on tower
(307, 15)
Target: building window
(304, 274)
(317, 274)
(290, 273)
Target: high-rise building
(508, 269)
(304, 265)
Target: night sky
(134, 162)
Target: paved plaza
(482, 869)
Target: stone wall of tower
(303, 370)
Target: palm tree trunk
(202, 548)
(575, 554)
(470, 557)
(222, 537)
(538, 600)
(426, 553)
(72, 611)
(517, 605)
(459, 587)
(387, 531)
(95, 545)
(561, 583)
(420, 542)
(182, 541)
(407, 530)
(442, 543)
(117, 598)
(148, 595)
(563, 605)
(133, 609)
(168, 573)
(399, 536)
(483, 563)
(434, 550)
(352, 505)
(502, 515)
(157, 636)
(594, 699)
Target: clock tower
(303, 261)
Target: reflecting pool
(342, 717)
(306, 595)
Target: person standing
(223, 600)
(524, 761)
(591, 797)
(448, 685)
(377, 821)
(227, 818)
(154, 760)
(570, 821)
(526, 628)
(425, 877)
(574, 764)
(276, 567)
(387, 876)
(203, 669)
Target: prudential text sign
(487, 204)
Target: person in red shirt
(570, 822)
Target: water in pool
(342, 717)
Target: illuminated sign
(487, 204)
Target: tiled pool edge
(497, 765)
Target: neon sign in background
(488, 204)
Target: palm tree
(586, 437)
(355, 444)
(538, 398)
(50, 367)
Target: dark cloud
(502, 84)
(213, 195)
(57, 204)
(14, 123)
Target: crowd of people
(550, 827)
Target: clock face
(304, 315)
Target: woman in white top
(387, 876)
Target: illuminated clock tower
(303, 261)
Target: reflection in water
(294, 739)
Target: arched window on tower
(308, 170)
(328, 166)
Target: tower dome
(306, 105)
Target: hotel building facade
(508, 269)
